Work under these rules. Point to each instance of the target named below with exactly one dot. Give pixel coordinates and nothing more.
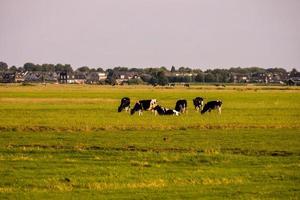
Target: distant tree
(121, 69)
(83, 69)
(197, 71)
(221, 75)
(187, 79)
(38, 67)
(173, 69)
(277, 70)
(153, 81)
(111, 76)
(135, 81)
(161, 78)
(61, 68)
(3, 66)
(162, 68)
(185, 70)
(29, 67)
(99, 69)
(13, 69)
(238, 70)
(294, 73)
(256, 70)
(209, 77)
(151, 71)
(48, 67)
(68, 68)
(200, 77)
(146, 78)
(246, 70)
(21, 69)
(181, 69)
(93, 70)
(188, 70)
(136, 70)
(109, 72)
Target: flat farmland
(69, 141)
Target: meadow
(69, 141)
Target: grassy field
(68, 141)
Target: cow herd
(180, 106)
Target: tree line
(158, 75)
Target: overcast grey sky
(151, 33)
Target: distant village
(64, 74)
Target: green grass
(60, 141)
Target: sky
(151, 33)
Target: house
(80, 77)
(33, 77)
(66, 78)
(95, 77)
(294, 81)
(20, 77)
(63, 77)
(240, 78)
(258, 78)
(185, 74)
(40, 77)
(50, 77)
(123, 77)
(8, 77)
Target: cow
(211, 105)
(198, 103)
(165, 111)
(181, 106)
(125, 104)
(142, 105)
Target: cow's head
(156, 107)
(136, 107)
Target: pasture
(69, 141)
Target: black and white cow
(181, 106)
(142, 105)
(211, 105)
(165, 111)
(125, 104)
(198, 103)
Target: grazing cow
(165, 111)
(125, 104)
(142, 105)
(198, 103)
(211, 106)
(186, 85)
(181, 106)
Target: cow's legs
(219, 109)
